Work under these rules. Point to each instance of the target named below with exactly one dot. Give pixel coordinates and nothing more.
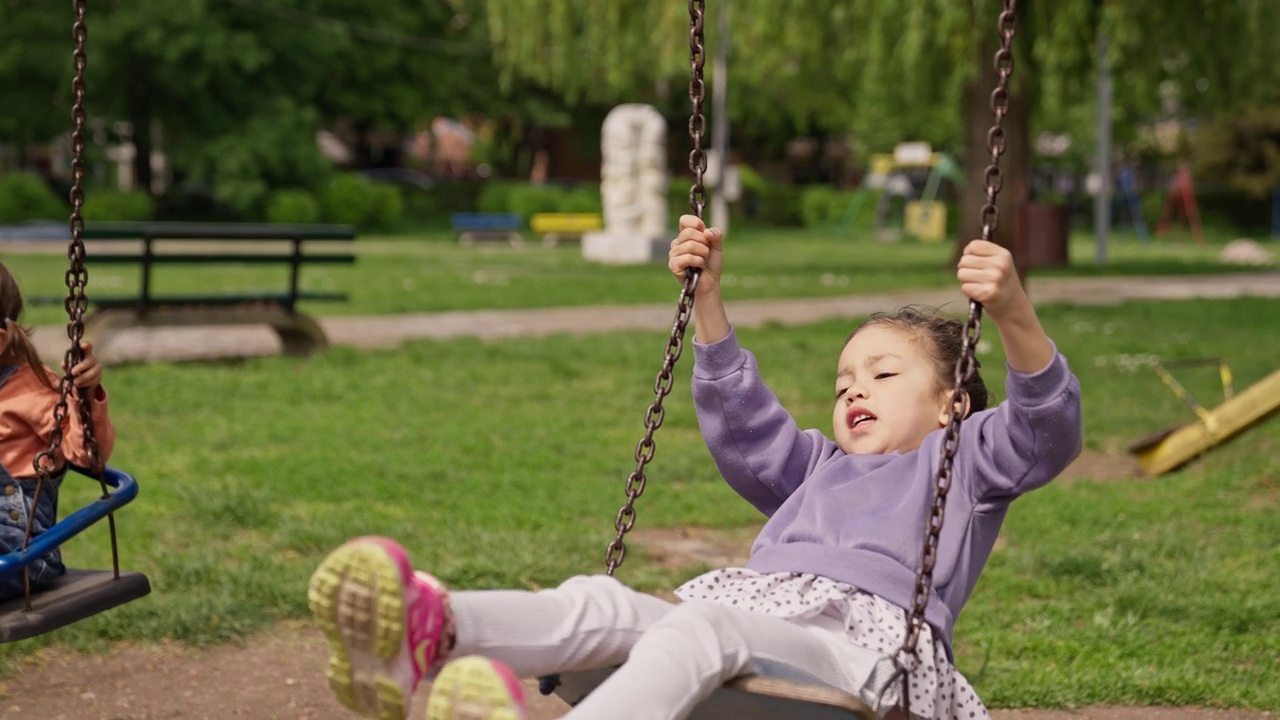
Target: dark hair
(17, 341)
(946, 343)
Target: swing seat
(750, 697)
(72, 597)
(79, 593)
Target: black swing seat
(750, 697)
(79, 593)
(74, 596)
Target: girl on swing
(823, 597)
(28, 393)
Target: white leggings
(672, 656)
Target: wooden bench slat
(208, 259)
(161, 301)
(215, 231)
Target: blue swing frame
(125, 490)
(77, 594)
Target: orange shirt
(26, 421)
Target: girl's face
(887, 394)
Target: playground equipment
(923, 216)
(1182, 199)
(1173, 447)
(79, 593)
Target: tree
(237, 89)
(1241, 150)
(911, 69)
(35, 72)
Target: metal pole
(1102, 162)
(1275, 215)
(720, 118)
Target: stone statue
(633, 188)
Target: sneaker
(385, 625)
(476, 688)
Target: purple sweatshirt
(860, 519)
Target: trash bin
(1042, 234)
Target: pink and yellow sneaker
(387, 626)
(476, 688)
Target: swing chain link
(964, 370)
(76, 278)
(626, 518)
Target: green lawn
(502, 464)
(432, 273)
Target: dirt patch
(277, 676)
(687, 547)
(280, 676)
(1103, 467)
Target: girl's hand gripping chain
(698, 246)
(986, 273)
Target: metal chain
(626, 518)
(972, 331)
(77, 277)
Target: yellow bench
(554, 226)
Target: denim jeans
(15, 501)
(15, 507)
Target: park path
(152, 344)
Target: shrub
(118, 206)
(292, 207)
(495, 196)
(1240, 151)
(584, 198)
(352, 199)
(386, 209)
(25, 196)
(818, 206)
(528, 199)
(778, 205)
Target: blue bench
(472, 227)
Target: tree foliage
(235, 90)
(1241, 150)
(897, 70)
(912, 69)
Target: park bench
(556, 226)
(477, 227)
(212, 244)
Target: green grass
(432, 273)
(501, 464)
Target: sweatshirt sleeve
(1027, 440)
(73, 429)
(756, 444)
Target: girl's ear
(943, 413)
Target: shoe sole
(357, 597)
(471, 688)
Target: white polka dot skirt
(938, 691)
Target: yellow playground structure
(897, 176)
(1171, 448)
